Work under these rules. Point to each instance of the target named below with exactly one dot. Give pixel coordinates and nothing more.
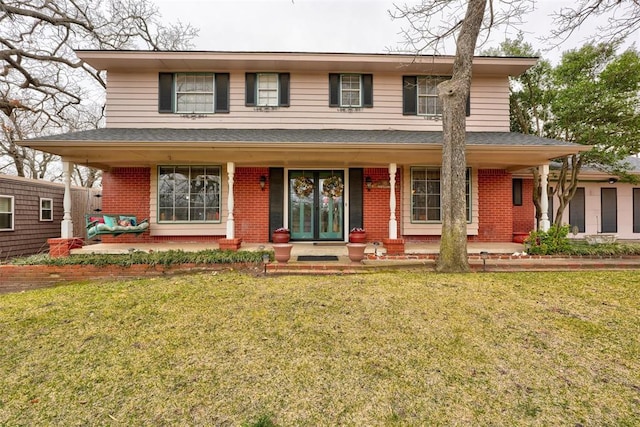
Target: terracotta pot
(358, 237)
(356, 251)
(280, 237)
(520, 237)
(283, 252)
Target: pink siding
(132, 101)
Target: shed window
(6, 213)
(46, 209)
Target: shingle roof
(297, 135)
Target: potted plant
(357, 235)
(281, 235)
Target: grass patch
(378, 349)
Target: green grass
(390, 349)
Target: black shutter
(222, 93)
(468, 106)
(367, 90)
(636, 210)
(250, 89)
(517, 191)
(334, 90)
(576, 210)
(165, 93)
(609, 210)
(409, 95)
(283, 89)
(276, 199)
(356, 210)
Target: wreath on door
(332, 186)
(302, 186)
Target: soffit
(135, 61)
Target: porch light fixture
(613, 180)
(484, 255)
(263, 182)
(369, 183)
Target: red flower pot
(280, 237)
(358, 237)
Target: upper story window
(426, 194)
(6, 213)
(46, 209)
(267, 89)
(420, 96)
(351, 90)
(194, 92)
(428, 100)
(187, 93)
(188, 194)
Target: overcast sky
(362, 26)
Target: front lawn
(377, 349)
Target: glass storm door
(316, 205)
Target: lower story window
(188, 194)
(6, 213)
(426, 196)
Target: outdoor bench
(114, 225)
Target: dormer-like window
(193, 93)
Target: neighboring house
(602, 204)
(31, 213)
(228, 146)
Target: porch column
(544, 197)
(231, 170)
(67, 221)
(393, 223)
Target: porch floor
(338, 249)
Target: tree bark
(453, 93)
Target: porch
(338, 249)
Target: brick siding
(495, 206)
(376, 204)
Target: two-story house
(223, 146)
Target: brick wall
(524, 216)
(15, 278)
(376, 204)
(251, 205)
(495, 206)
(126, 191)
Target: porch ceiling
(108, 148)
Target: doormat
(317, 258)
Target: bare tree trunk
(453, 93)
(567, 184)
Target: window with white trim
(426, 196)
(6, 213)
(267, 84)
(350, 86)
(194, 92)
(46, 209)
(189, 194)
(428, 101)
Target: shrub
(165, 258)
(549, 242)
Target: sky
(353, 26)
